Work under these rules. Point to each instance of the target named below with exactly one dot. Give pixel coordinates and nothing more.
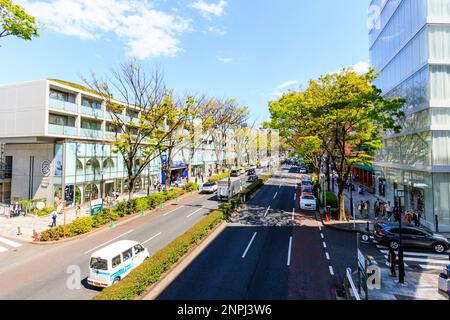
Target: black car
(251, 172)
(418, 237)
(252, 178)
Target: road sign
(96, 206)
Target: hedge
(124, 208)
(218, 177)
(151, 270)
(330, 197)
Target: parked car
(418, 237)
(235, 172)
(252, 178)
(251, 172)
(308, 202)
(209, 187)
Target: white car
(308, 202)
(306, 178)
(209, 187)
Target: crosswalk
(6, 245)
(426, 261)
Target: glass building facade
(410, 47)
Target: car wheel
(116, 281)
(439, 248)
(393, 244)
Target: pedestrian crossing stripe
(434, 261)
(3, 249)
(10, 243)
(421, 254)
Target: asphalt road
(271, 251)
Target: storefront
(364, 175)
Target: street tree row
(339, 118)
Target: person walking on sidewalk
(78, 212)
(376, 208)
(361, 208)
(389, 210)
(54, 216)
(367, 209)
(392, 258)
(382, 209)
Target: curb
(166, 280)
(120, 222)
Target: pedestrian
(389, 210)
(376, 208)
(419, 216)
(396, 213)
(16, 209)
(367, 207)
(54, 216)
(361, 208)
(78, 212)
(382, 209)
(415, 219)
(392, 258)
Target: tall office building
(410, 47)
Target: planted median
(122, 209)
(151, 270)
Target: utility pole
(401, 265)
(63, 186)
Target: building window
(59, 120)
(91, 104)
(62, 96)
(91, 125)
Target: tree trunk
(328, 174)
(341, 201)
(130, 187)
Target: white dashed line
(321, 235)
(157, 235)
(194, 213)
(249, 245)
(295, 196)
(10, 243)
(267, 211)
(324, 245)
(3, 249)
(103, 244)
(275, 195)
(165, 214)
(331, 270)
(327, 255)
(289, 252)
(293, 214)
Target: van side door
(128, 261)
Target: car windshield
(308, 198)
(99, 264)
(209, 184)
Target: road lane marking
(295, 196)
(275, 195)
(267, 211)
(155, 236)
(10, 243)
(324, 245)
(3, 249)
(420, 254)
(103, 244)
(435, 261)
(327, 255)
(331, 270)
(166, 214)
(293, 214)
(289, 252)
(424, 266)
(321, 235)
(249, 245)
(194, 213)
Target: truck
(222, 188)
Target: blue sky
(249, 49)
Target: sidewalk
(9, 226)
(417, 286)
(360, 224)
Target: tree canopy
(14, 21)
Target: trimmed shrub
(331, 199)
(218, 177)
(79, 226)
(191, 186)
(142, 204)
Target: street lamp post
(401, 265)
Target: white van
(111, 264)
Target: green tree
(346, 114)
(14, 21)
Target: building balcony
(90, 133)
(98, 113)
(63, 105)
(111, 117)
(62, 130)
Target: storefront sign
(400, 193)
(96, 206)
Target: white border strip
(350, 280)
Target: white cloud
(279, 90)
(208, 9)
(218, 31)
(225, 60)
(146, 32)
(361, 67)
(287, 84)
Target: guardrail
(349, 284)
